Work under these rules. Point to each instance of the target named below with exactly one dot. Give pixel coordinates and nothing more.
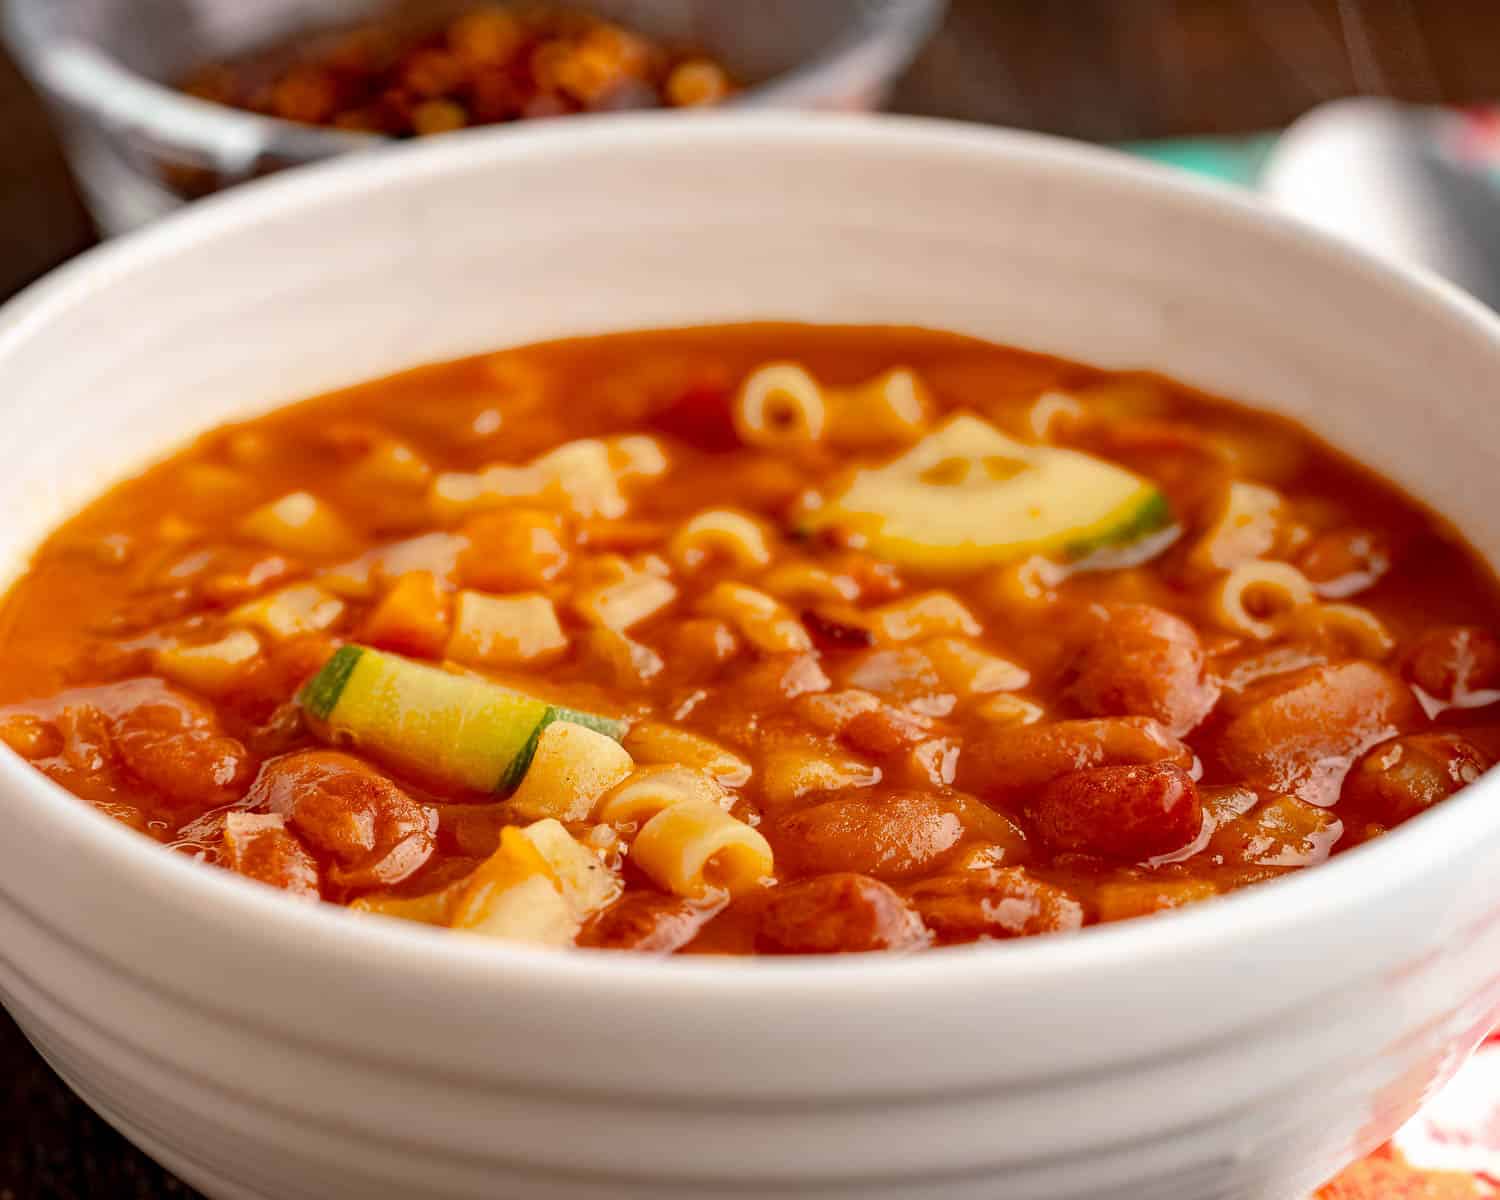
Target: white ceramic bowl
(265, 1050)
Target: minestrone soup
(763, 639)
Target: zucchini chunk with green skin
(455, 728)
(967, 496)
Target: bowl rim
(884, 39)
(1350, 883)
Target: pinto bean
(1344, 562)
(375, 833)
(1024, 757)
(885, 731)
(165, 738)
(1408, 775)
(836, 914)
(174, 745)
(1281, 833)
(272, 855)
(1299, 734)
(649, 922)
(1458, 665)
(994, 902)
(1119, 901)
(1135, 659)
(889, 835)
(1128, 813)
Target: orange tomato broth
(1136, 755)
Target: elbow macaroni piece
(695, 847)
(930, 615)
(722, 535)
(688, 842)
(971, 671)
(582, 477)
(1053, 408)
(781, 405)
(1351, 627)
(1252, 595)
(650, 742)
(1247, 527)
(655, 789)
(762, 620)
(301, 608)
(894, 406)
(804, 580)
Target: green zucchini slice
(967, 496)
(457, 729)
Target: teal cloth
(1233, 160)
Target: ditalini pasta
(686, 840)
(756, 640)
(1248, 597)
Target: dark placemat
(1110, 70)
(52, 1147)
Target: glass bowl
(140, 149)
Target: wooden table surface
(1098, 69)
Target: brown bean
(1122, 900)
(998, 902)
(374, 831)
(649, 922)
(1406, 776)
(1344, 562)
(1128, 813)
(1136, 659)
(173, 743)
(885, 730)
(1281, 833)
(277, 858)
(836, 914)
(1299, 733)
(888, 835)
(193, 769)
(1024, 757)
(165, 738)
(1458, 665)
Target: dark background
(1106, 70)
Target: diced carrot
(412, 618)
(514, 550)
